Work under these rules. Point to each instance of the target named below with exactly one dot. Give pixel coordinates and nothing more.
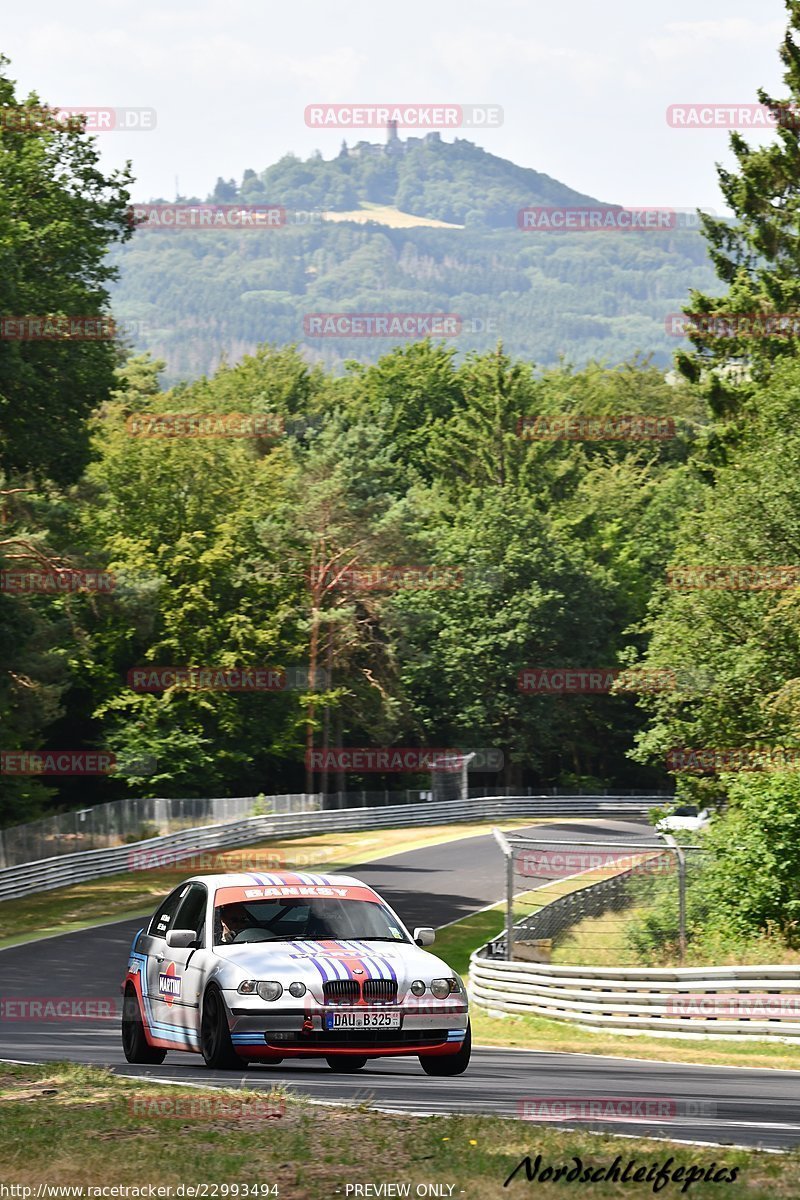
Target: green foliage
(741, 645)
(753, 878)
(757, 255)
(58, 216)
(215, 544)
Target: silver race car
(261, 967)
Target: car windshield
(287, 918)
(686, 810)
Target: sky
(584, 86)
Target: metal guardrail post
(681, 857)
(505, 846)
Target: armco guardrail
(65, 869)
(133, 819)
(759, 1001)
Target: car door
(178, 973)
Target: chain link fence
(565, 894)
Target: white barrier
(644, 999)
(48, 873)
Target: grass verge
(61, 1124)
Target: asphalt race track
(427, 887)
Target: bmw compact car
(258, 968)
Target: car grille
(341, 991)
(380, 991)
(350, 991)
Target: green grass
(600, 941)
(455, 943)
(67, 1125)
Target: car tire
(215, 1036)
(449, 1064)
(135, 1045)
(345, 1064)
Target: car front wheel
(134, 1042)
(215, 1036)
(449, 1064)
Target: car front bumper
(271, 1031)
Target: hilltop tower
(391, 134)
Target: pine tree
(757, 256)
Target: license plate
(362, 1020)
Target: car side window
(192, 912)
(162, 917)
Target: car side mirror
(424, 936)
(182, 939)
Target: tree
(757, 256)
(740, 638)
(225, 191)
(58, 217)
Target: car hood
(314, 963)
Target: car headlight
(269, 990)
(297, 990)
(443, 987)
(417, 988)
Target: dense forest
(248, 552)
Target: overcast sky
(584, 85)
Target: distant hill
(455, 181)
(194, 296)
